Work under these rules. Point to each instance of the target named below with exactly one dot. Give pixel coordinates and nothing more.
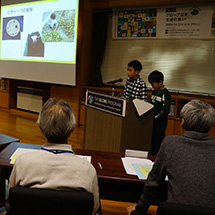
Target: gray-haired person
(187, 160)
(55, 166)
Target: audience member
(55, 166)
(187, 160)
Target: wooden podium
(106, 131)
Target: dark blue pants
(157, 139)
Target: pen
(100, 166)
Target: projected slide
(43, 31)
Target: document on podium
(142, 106)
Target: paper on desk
(142, 106)
(20, 151)
(88, 158)
(142, 170)
(128, 161)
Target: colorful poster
(182, 22)
(213, 23)
(137, 23)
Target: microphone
(115, 81)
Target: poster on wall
(160, 23)
(213, 23)
(137, 23)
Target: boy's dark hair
(155, 76)
(136, 65)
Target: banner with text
(160, 23)
(106, 103)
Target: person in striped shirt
(135, 87)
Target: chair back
(34, 201)
(169, 208)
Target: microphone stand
(112, 89)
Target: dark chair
(169, 208)
(33, 201)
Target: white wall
(187, 64)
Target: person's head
(134, 67)
(156, 79)
(53, 16)
(197, 116)
(56, 120)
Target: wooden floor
(22, 125)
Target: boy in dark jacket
(161, 99)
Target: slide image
(59, 26)
(12, 26)
(34, 45)
(39, 31)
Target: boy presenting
(161, 100)
(135, 87)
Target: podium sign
(106, 103)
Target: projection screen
(38, 40)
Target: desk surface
(110, 161)
(112, 178)
(6, 140)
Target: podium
(113, 124)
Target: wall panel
(187, 64)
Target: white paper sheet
(128, 161)
(142, 106)
(88, 158)
(20, 151)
